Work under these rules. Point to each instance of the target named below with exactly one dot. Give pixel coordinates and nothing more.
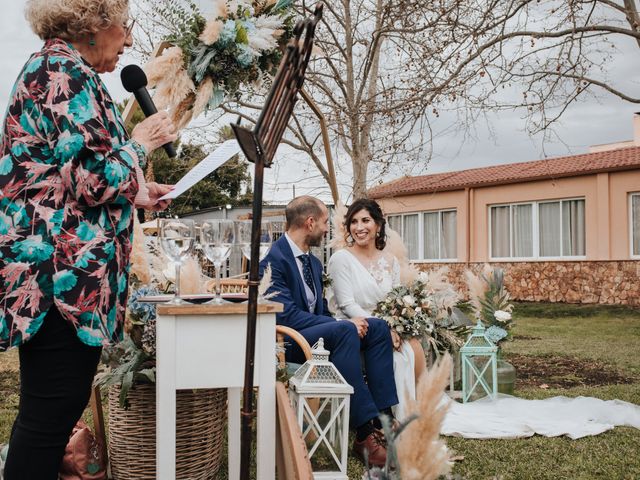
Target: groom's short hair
(301, 208)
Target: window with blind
(635, 224)
(554, 229)
(428, 235)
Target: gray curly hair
(71, 19)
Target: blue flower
(245, 56)
(495, 334)
(228, 33)
(249, 26)
(63, 281)
(142, 310)
(68, 146)
(32, 249)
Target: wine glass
(217, 238)
(244, 238)
(177, 237)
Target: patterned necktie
(306, 270)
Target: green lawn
(607, 337)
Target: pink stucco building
(563, 229)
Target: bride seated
(362, 274)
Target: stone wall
(606, 282)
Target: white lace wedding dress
(355, 292)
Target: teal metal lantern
(479, 365)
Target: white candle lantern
(320, 397)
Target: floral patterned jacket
(67, 187)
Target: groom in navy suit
(297, 277)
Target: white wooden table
(203, 346)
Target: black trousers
(56, 373)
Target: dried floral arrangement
(491, 302)
(416, 447)
(422, 309)
(212, 60)
(133, 360)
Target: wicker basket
(200, 423)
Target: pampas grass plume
(164, 67)
(339, 230)
(182, 113)
(138, 258)
(408, 273)
(477, 288)
(173, 90)
(202, 97)
(191, 278)
(211, 32)
(265, 284)
(422, 454)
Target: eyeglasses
(128, 27)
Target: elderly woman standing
(68, 182)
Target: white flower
(408, 300)
(502, 316)
(423, 277)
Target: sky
(594, 122)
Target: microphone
(135, 81)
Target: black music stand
(259, 146)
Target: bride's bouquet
(422, 310)
(408, 310)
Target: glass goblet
(244, 238)
(177, 237)
(217, 238)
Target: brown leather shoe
(373, 448)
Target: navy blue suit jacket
(286, 280)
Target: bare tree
(383, 68)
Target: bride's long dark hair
(375, 211)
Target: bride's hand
(361, 325)
(396, 341)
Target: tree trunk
(360, 162)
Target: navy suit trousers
(345, 347)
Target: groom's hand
(361, 325)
